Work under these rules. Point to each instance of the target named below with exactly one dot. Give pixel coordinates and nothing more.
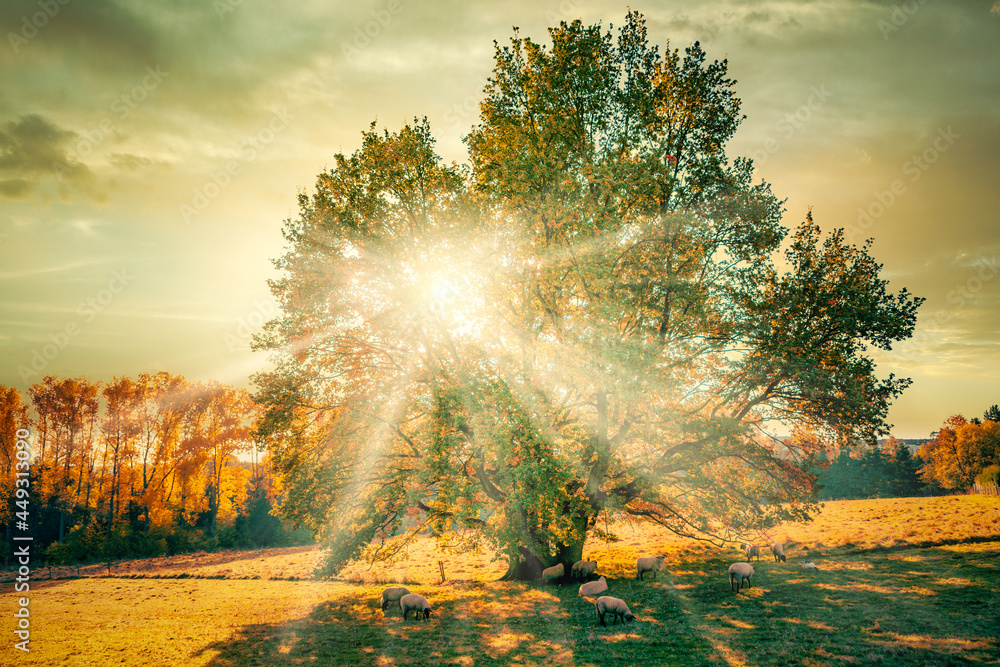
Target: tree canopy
(588, 318)
(960, 451)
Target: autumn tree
(960, 451)
(167, 401)
(13, 417)
(587, 319)
(120, 429)
(67, 412)
(228, 415)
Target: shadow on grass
(476, 624)
(932, 607)
(923, 544)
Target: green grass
(877, 600)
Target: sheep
(415, 603)
(738, 573)
(809, 565)
(751, 550)
(393, 595)
(648, 564)
(609, 605)
(594, 587)
(582, 569)
(551, 575)
(779, 552)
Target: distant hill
(913, 444)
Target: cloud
(110, 32)
(70, 268)
(32, 150)
(15, 188)
(31, 144)
(130, 162)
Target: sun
(454, 292)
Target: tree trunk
(213, 509)
(511, 573)
(526, 568)
(570, 554)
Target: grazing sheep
(609, 605)
(809, 565)
(738, 573)
(779, 552)
(594, 587)
(751, 550)
(393, 595)
(551, 575)
(648, 564)
(415, 603)
(582, 569)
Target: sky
(150, 152)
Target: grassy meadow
(900, 582)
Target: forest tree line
(158, 464)
(963, 452)
(142, 466)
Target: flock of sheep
(742, 572)
(739, 573)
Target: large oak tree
(587, 319)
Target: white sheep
(393, 595)
(738, 573)
(415, 603)
(594, 587)
(750, 550)
(553, 574)
(582, 569)
(778, 549)
(809, 565)
(648, 564)
(609, 605)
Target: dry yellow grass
(280, 563)
(888, 522)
